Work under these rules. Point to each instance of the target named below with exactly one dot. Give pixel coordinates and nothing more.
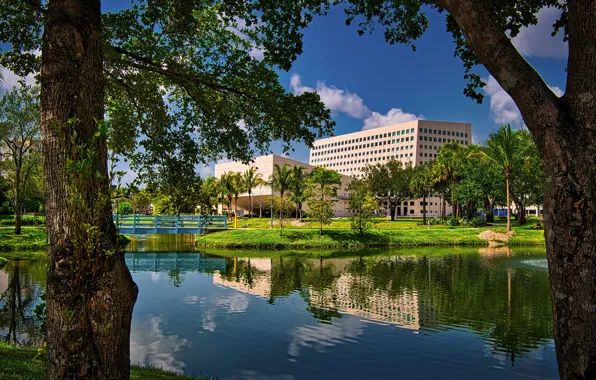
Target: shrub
(436, 221)
(478, 222)
(124, 208)
(453, 221)
(27, 220)
(463, 222)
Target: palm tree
(281, 180)
(236, 186)
(501, 148)
(251, 179)
(420, 185)
(446, 172)
(298, 188)
(225, 184)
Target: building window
(434, 131)
(420, 154)
(420, 130)
(425, 130)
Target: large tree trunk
(564, 131)
(570, 231)
(391, 206)
(90, 293)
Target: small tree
(251, 179)
(281, 180)
(390, 182)
(20, 144)
(298, 189)
(501, 148)
(322, 186)
(362, 204)
(141, 202)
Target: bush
(27, 220)
(463, 222)
(124, 208)
(436, 221)
(478, 222)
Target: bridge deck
(169, 224)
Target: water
(440, 313)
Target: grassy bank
(302, 238)
(20, 363)
(31, 239)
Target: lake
(378, 314)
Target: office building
(413, 142)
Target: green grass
(20, 363)
(397, 234)
(29, 240)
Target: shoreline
(346, 239)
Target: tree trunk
(281, 208)
(424, 209)
(444, 204)
(18, 218)
(249, 204)
(507, 185)
(391, 206)
(90, 294)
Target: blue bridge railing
(169, 224)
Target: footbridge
(169, 224)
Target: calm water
(449, 314)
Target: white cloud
(149, 344)
(349, 103)
(537, 41)
(394, 116)
(502, 107)
(12, 80)
(335, 99)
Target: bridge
(184, 262)
(169, 224)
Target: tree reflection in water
(494, 295)
(18, 324)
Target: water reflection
(470, 314)
(21, 285)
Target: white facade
(412, 142)
(261, 195)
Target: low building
(261, 196)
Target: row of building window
(368, 145)
(445, 133)
(359, 154)
(362, 139)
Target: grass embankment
(29, 240)
(402, 233)
(20, 363)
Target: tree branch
(495, 51)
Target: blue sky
(367, 82)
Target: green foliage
(478, 222)
(125, 208)
(322, 186)
(281, 181)
(20, 147)
(452, 221)
(26, 221)
(298, 188)
(362, 204)
(251, 179)
(141, 202)
(390, 183)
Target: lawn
(21, 363)
(31, 239)
(401, 233)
